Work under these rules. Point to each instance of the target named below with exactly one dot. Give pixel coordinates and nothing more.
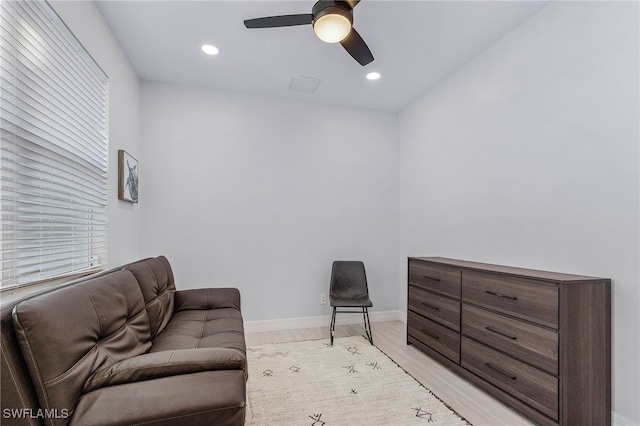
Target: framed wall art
(128, 172)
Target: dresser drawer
(434, 335)
(531, 300)
(441, 309)
(534, 387)
(533, 344)
(438, 278)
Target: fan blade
(352, 3)
(279, 21)
(355, 45)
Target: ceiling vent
(303, 84)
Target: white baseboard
(321, 321)
(620, 420)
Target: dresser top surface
(510, 270)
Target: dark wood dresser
(539, 341)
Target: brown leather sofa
(124, 348)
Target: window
(53, 149)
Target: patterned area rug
(349, 383)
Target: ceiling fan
(332, 22)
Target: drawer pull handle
(501, 371)
(428, 333)
(431, 278)
(431, 306)
(493, 293)
(502, 333)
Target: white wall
(528, 156)
(87, 24)
(263, 194)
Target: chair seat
(361, 302)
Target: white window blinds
(53, 149)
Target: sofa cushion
(206, 398)
(18, 392)
(155, 279)
(207, 298)
(67, 335)
(215, 328)
(165, 364)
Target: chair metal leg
(367, 325)
(333, 325)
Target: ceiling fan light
(332, 27)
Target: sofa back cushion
(18, 393)
(155, 277)
(68, 334)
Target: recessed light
(373, 76)
(210, 49)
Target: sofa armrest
(164, 364)
(207, 298)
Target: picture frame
(128, 177)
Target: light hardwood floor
(467, 400)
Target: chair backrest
(348, 280)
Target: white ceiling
(416, 44)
